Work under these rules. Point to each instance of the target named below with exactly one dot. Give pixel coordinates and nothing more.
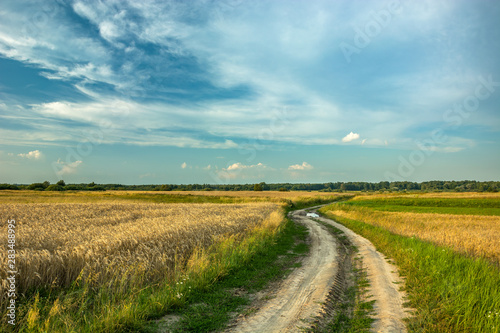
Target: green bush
(8, 187)
(95, 188)
(55, 187)
(39, 186)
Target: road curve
(300, 297)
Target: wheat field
(476, 235)
(58, 244)
(25, 196)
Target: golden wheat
(25, 196)
(476, 235)
(62, 243)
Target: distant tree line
(59, 186)
(435, 185)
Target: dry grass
(60, 243)
(472, 234)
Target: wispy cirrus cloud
(184, 68)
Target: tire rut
(389, 310)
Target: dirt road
(384, 283)
(299, 299)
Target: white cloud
(350, 137)
(184, 165)
(303, 166)
(243, 171)
(32, 155)
(63, 168)
(108, 30)
(363, 142)
(239, 166)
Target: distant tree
(283, 189)
(39, 186)
(165, 188)
(96, 188)
(264, 186)
(8, 187)
(61, 183)
(54, 187)
(257, 187)
(384, 185)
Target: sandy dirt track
(300, 297)
(384, 283)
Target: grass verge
(211, 308)
(349, 304)
(450, 292)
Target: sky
(233, 91)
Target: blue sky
(235, 91)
